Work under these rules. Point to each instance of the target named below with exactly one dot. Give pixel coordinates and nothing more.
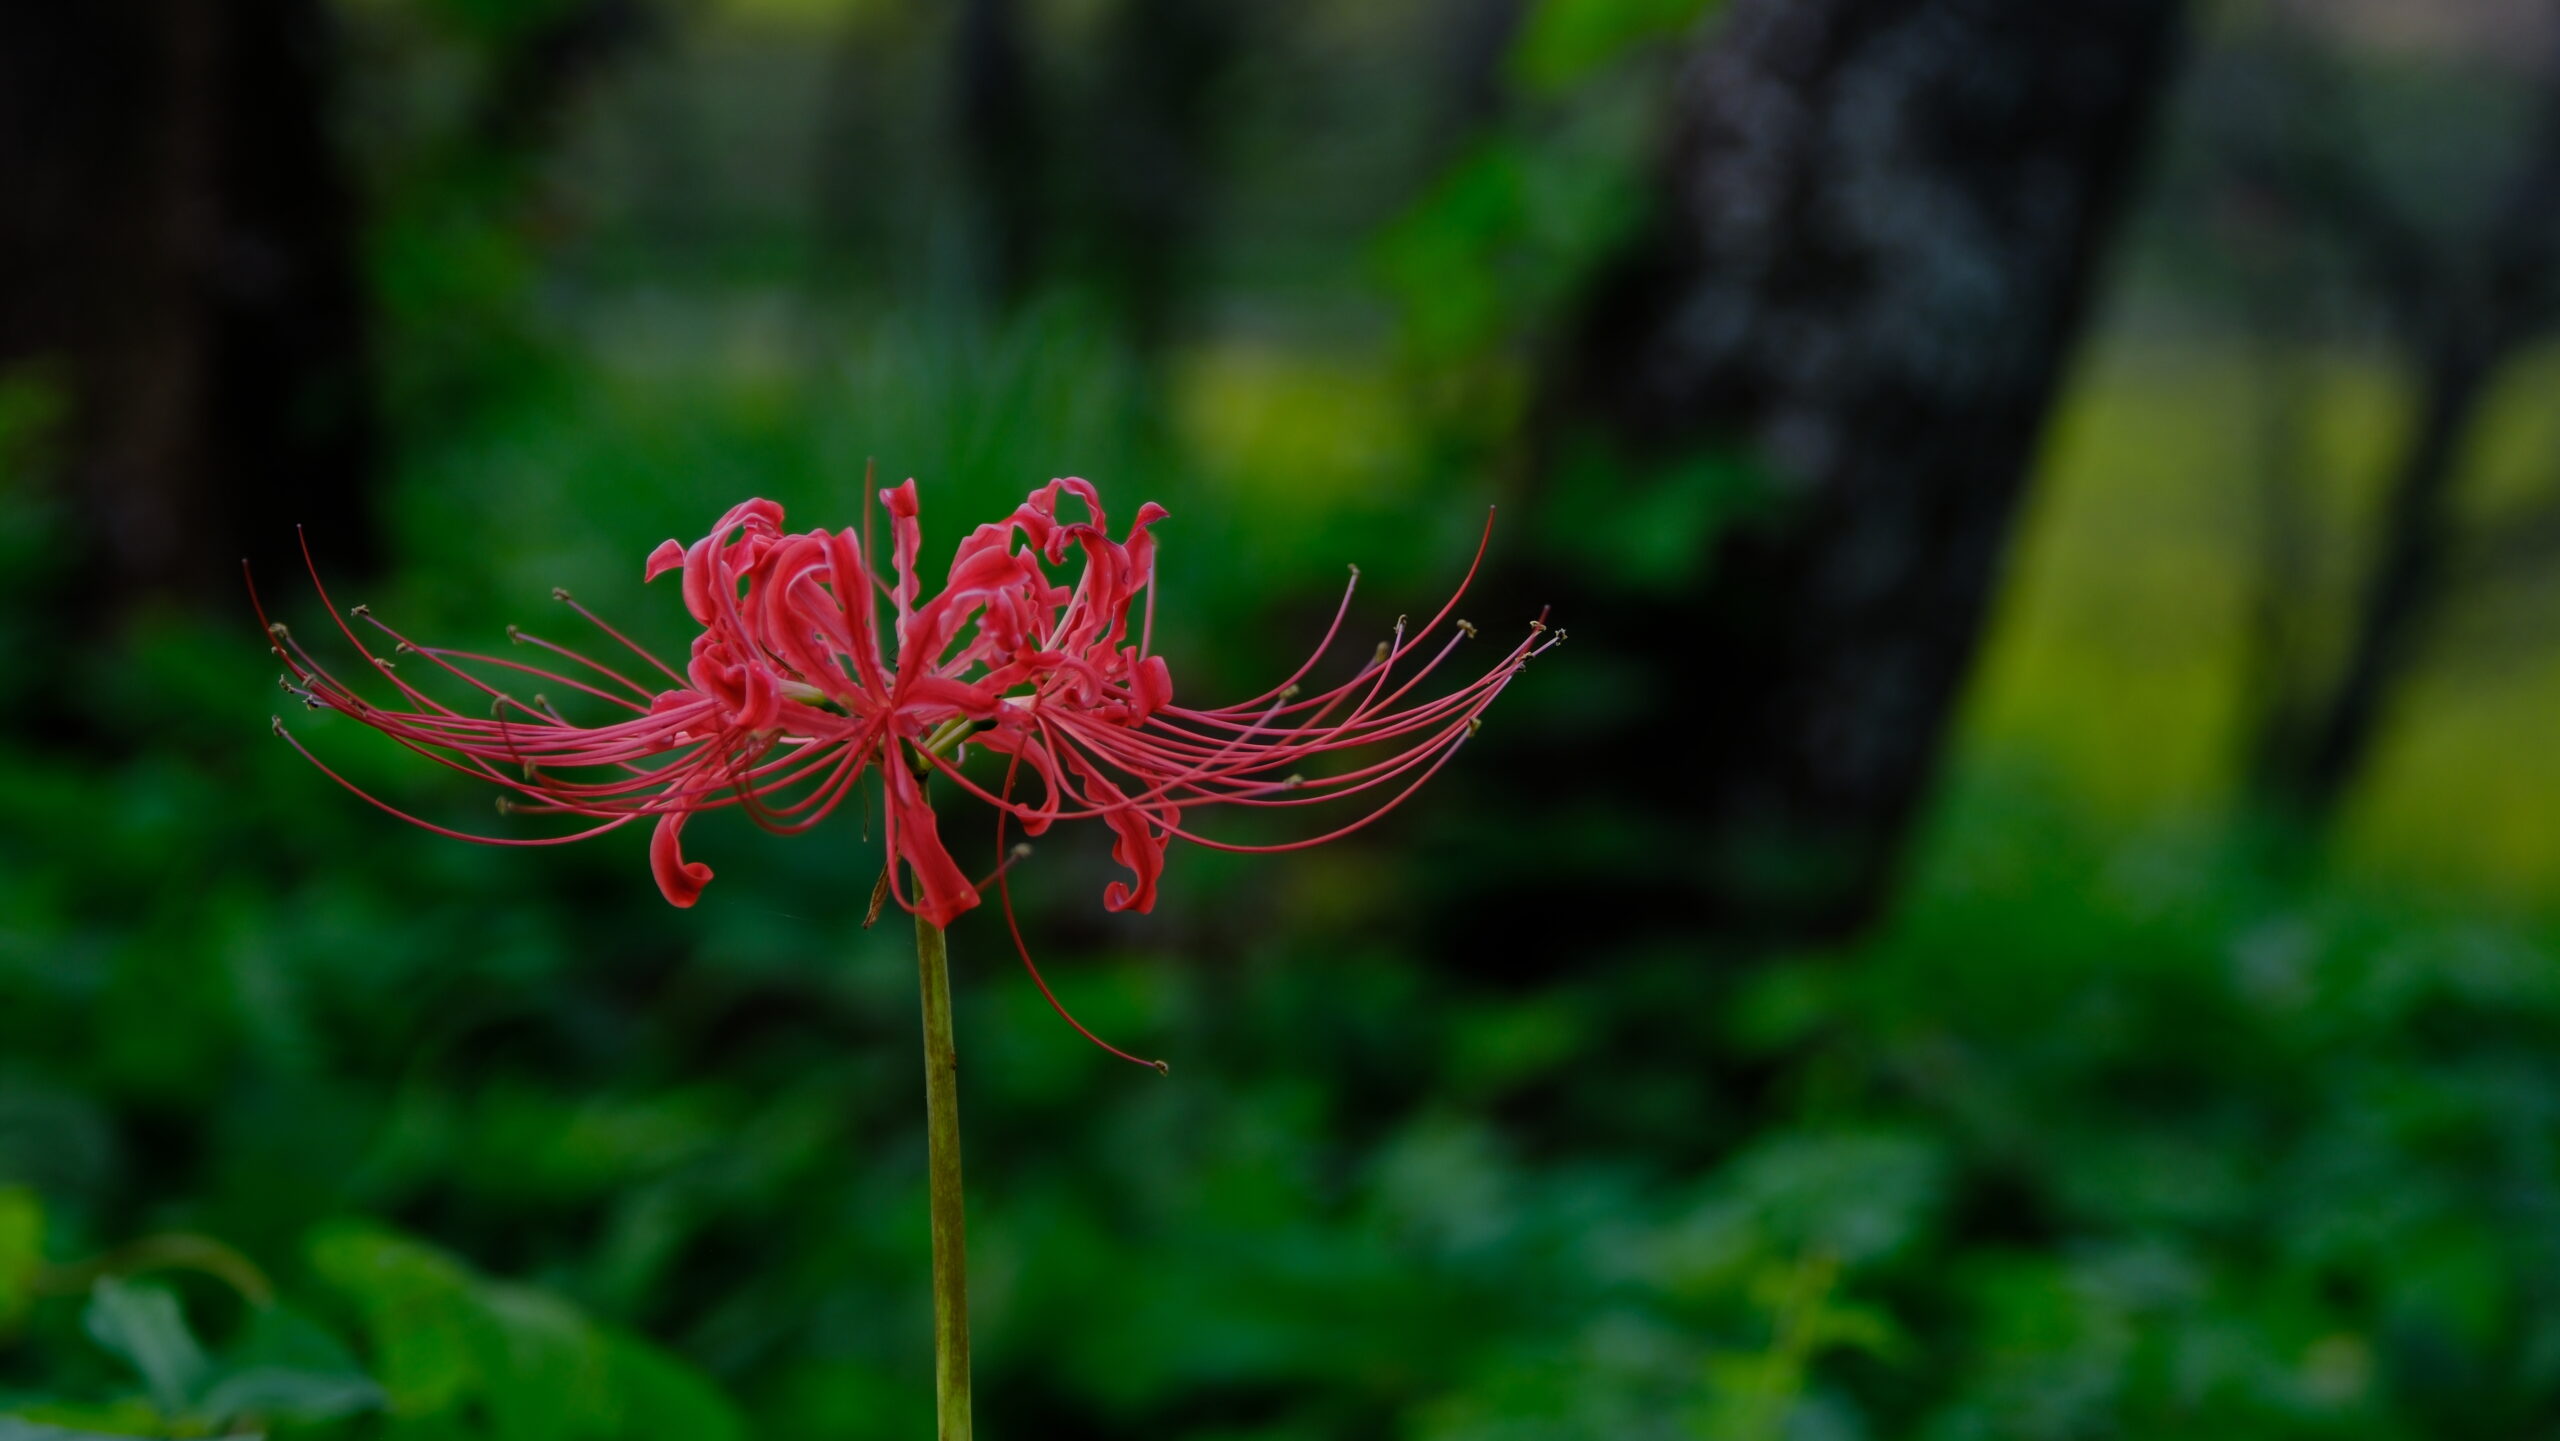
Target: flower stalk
(949, 1211)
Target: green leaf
(662, 1399)
(445, 1338)
(1855, 1326)
(142, 1325)
(272, 1393)
(1858, 1196)
(546, 1377)
(417, 1308)
(283, 1336)
(289, 1369)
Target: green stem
(174, 1252)
(950, 1215)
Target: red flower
(790, 696)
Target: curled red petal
(680, 880)
(668, 556)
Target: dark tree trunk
(1108, 186)
(2306, 767)
(1153, 180)
(178, 253)
(2462, 317)
(1000, 138)
(1882, 222)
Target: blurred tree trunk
(1109, 185)
(1157, 178)
(1000, 139)
(1880, 228)
(2310, 753)
(179, 253)
(2461, 315)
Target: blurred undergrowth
(2096, 1135)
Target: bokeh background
(2024, 909)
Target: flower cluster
(791, 695)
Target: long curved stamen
(1013, 926)
(561, 595)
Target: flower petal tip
(668, 556)
(679, 880)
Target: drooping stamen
(1013, 925)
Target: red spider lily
(790, 696)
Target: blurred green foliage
(314, 1125)
(2095, 1137)
(1563, 43)
(457, 1354)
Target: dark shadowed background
(2029, 905)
